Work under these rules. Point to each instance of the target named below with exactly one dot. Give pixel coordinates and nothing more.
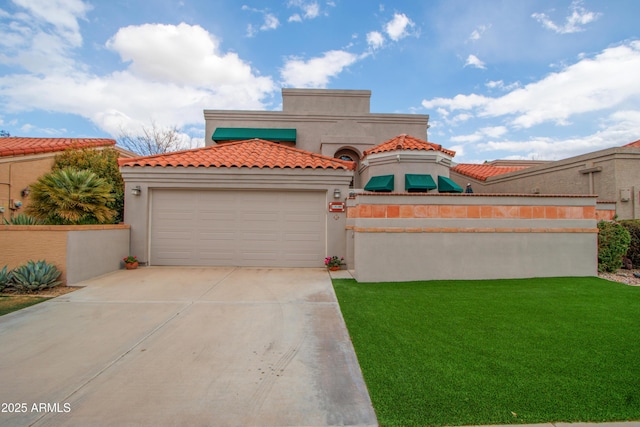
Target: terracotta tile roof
(15, 146)
(484, 171)
(252, 153)
(633, 144)
(407, 142)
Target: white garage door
(238, 228)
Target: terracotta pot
(334, 268)
(131, 265)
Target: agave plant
(5, 277)
(35, 276)
(70, 196)
(22, 219)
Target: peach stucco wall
(79, 251)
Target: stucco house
(612, 174)
(327, 177)
(23, 160)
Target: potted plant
(333, 262)
(130, 262)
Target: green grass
(496, 351)
(9, 304)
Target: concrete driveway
(162, 346)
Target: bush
(613, 243)
(5, 278)
(22, 219)
(104, 163)
(35, 276)
(633, 253)
(70, 196)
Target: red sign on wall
(336, 207)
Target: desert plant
(35, 276)
(70, 196)
(104, 163)
(613, 243)
(5, 277)
(633, 253)
(23, 219)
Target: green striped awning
(446, 185)
(416, 183)
(381, 183)
(268, 134)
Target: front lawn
(496, 351)
(17, 302)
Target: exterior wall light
(337, 193)
(136, 191)
(25, 192)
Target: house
(334, 123)
(612, 174)
(24, 160)
(326, 177)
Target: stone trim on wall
(472, 211)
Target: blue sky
(525, 79)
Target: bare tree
(152, 140)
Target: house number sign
(336, 207)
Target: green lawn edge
(6, 305)
(496, 351)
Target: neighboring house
(24, 160)
(612, 174)
(334, 123)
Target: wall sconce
(25, 192)
(136, 191)
(337, 193)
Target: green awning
(416, 183)
(446, 185)
(268, 134)
(381, 183)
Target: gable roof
(252, 153)
(483, 171)
(407, 142)
(633, 144)
(15, 145)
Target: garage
(250, 203)
(238, 228)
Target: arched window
(350, 156)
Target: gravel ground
(623, 276)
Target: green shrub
(35, 276)
(104, 163)
(633, 226)
(613, 242)
(5, 278)
(22, 219)
(70, 196)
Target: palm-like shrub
(69, 196)
(35, 276)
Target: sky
(499, 79)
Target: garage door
(238, 228)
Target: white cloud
(270, 21)
(398, 27)
(41, 38)
(172, 73)
(573, 23)
(484, 133)
(316, 72)
(591, 84)
(474, 61)
(375, 39)
(477, 33)
(499, 84)
(309, 9)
